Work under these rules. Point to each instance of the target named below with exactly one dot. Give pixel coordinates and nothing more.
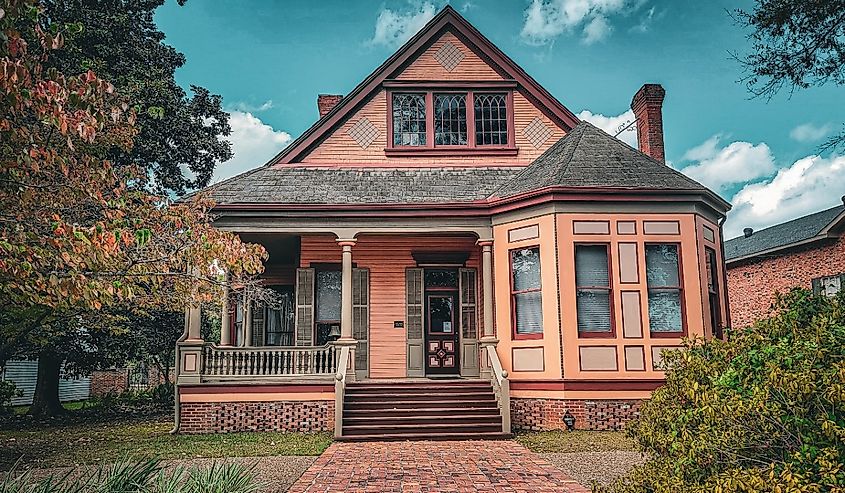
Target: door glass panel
(441, 278)
(440, 315)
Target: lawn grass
(68, 445)
(557, 442)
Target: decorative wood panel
(634, 358)
(661, 227)
(626, 227)
(528, 359)
(304, 321)
(632, 323)
(628, 264)
(598, 358)
(524, 233)
(591, 227)
(430, 64)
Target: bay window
(526, 293)
(593, 291)
(665, 293)
(427, 119)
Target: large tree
(179, 138)
(78, 233)
(796, 44)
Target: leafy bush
(762, 412)
(131, 476)
(8, 391)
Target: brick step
(427, 436)
(421, 419)
(397, 404)
(422, 396)
(440, 412)
(431, 429)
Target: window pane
(409, 119)
(450, 119)
(591, 265)
(662, 265)
(664, 310)
(529, 313)
(491, 119)
(593, 307)
(441, 315)
(526, 269)
(447, 278)
(328, 295)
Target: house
(24, 375)
(807, 252)
(456, 254)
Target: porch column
(487, 338)
(247, 321)
(346, 338)
(225, 322)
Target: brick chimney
(325, 102)
(648, 110)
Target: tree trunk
(45, 402)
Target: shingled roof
(289, 184)
(588, 157)
(785, 235)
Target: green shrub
(8, 391)
(762, 412)
(134, 476)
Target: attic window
(445, 121)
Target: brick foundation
(547, 414)
(227, 417)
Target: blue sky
(269, 60)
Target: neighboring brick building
(807, 252)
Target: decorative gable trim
(449, 19)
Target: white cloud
(250, 108)
(808, 132)
(394, 27)
(545, 20)
(612, 124)
(809, 185)
(721, 167)
(253, 144)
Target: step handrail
(340, 390)
(501, 386)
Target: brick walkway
(460, 467)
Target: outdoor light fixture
(334, 333)
(569, 421)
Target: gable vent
(363, 132)
(449, 56)
(537, 132)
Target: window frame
(467, 88)
(610, 289)
(681, 292)
(516, 336)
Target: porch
(375, 308)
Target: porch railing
(220, 361)
(501, 387)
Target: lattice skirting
(590, 414)
(227, 417)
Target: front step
(425, 410)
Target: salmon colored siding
(426, 66)
(386, 257)
(339, 148)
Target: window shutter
(304, 321)
(258, 330)
(468, 287)
(361, 319)
(414, 321)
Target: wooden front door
(441, 340)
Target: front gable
(447, 56)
